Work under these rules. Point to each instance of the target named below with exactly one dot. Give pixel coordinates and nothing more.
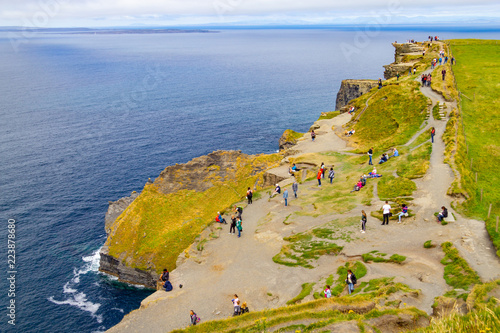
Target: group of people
(321, 174)
(236, 219)
(426, 80)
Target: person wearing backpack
(351, 281)
(238, 226)
(249, 195)
(193, 317)
(433, 132)
(331, 175)
(238, 211)
(232, 228)
(236, 304)
(327, 292)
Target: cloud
(210, 11)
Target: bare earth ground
(229, 265)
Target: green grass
(477, 74)
(393, 116)
(390, 187)
(292, 136)
(417, 162)
(457, 272)
(306, 291)
(425, 136)
(329, 115)
(435, 112)
(305, 247)
(428, 244)
(376, 256)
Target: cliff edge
(352, 89)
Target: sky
(102, 13)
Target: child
(327, 292)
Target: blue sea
(85, 119)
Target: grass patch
(477, 74)
(291, 136)
(435, 112)
(423, 137)
(457, 272)
(393, 116)
(428, 244)
(306, 291)
(390, 187)
(358, 268)
(329, 115)
(417, 162)
(376, 256)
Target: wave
(79, 299)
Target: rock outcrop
(289, 139)
(352, 89)
(148, 231)
(405, 57)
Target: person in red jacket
(320, 174)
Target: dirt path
(229, 265)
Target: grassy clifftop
(167, 217)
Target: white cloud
(83, 12)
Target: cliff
(405, 57)
(352, 89)
(289, 139)
(147, 232)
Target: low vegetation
(457, 272)
(376, 256)
(306, 291)
(477, 74)
(417, 162)
(390, 187)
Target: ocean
(85, 119)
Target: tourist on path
(285, 197)
(193, 317)
(232, 228)
(363, 222)
(433, 132)
(387, 212)
(331, 175)
(370, 155)
(238, 226)
(249, 195)
(313, 135)
(443, 73)
(238, 211)
(351, 281)
(322, 170)
(397, 76)
(327, 292)
(380, 83)
(236, 304)
(295, 187)
(320, 174)
(404, 212)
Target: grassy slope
(157, 227)
(478, 75)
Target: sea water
(89, 118)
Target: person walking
(320, 174)
(285, 197)
(351, 281)
(193, 317)
(397, 76)
(370, 155)
(331, 175)
(295, 187)
(443, 73)
(249, 195)
(433, 132)
(387, 212)
(363, 222)
(232, 228)
(313, 135)
(236, 305)
(238, 226)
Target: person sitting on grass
(293, 169)
(351, 132)
(383, 158)
(244, 308)
(395, 152)
(220, 219)
(351, 110)
(404, 212)
(442, 214)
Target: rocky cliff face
(148, 231)
(352, 89)
(405, 57)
